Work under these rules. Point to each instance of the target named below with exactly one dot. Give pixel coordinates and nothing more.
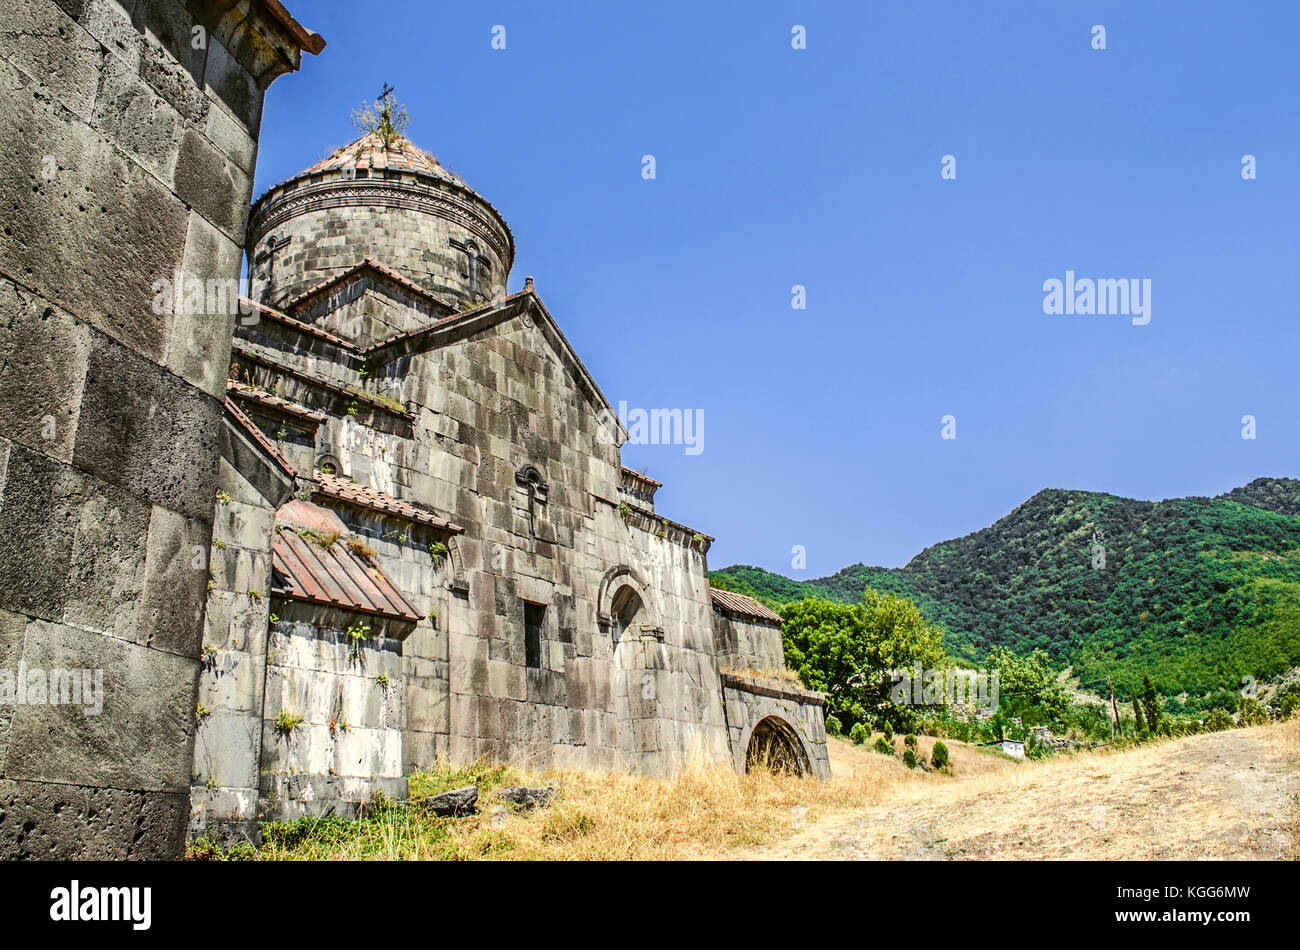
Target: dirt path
(1226, 795)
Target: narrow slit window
(534, 620)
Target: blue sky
(821, 167)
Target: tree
(1029, 687)
(833, 726)
(939, 755)
(1250, 712)
(1150, 703)
(1217, 721)
(848, 650)
(1141, 720)
(1290, 702)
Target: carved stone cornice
(443, 200)
(262, 35)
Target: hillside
(1197, 591)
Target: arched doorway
(625, 611)
(774, 747)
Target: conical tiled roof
(369, 152)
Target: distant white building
(1012, 747)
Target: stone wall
(334, 715)
(228, 744)
(746, 643)
(798, 713)
(491, 404)
(415, 223)
(130, 155)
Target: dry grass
(706, 811)
(1223, 795)
(777, 674)
(1285, 742)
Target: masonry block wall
(228, 744)
(416, 217)
(130, 147)
(756, 706)
(748, 644)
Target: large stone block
(94, 236)
(175, 582)
(139, 122)
(107, 567)
(148, 431)
(171, 62)
(46, 45)
(43, 353)
(39, 515)
(142, 738)
(227, 749)
(57, 821)
(213, 185)
(226, 81)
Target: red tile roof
(369, 152)
(735, 603)
(360, 496)
(299, 325)
(337, 575)
(259, 437)
(272, 402)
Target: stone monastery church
(422, 545)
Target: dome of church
(369, 152)
(392, 203)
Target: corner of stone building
(140, 119)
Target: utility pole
(1113, 708)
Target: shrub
(909, 741)
(909, 757)
(884, 746)
(1290, 703)
(888, 730)
(1251, 712)
(939, 755)
(858, 734)
(1217, 721)
(833, 726)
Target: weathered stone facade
(377, 520)
(560, 620)
(130, 128)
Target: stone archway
(616, 588)
(774, 746)
(626, 612)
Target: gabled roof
(742, 606)
(359, 496)
(325, 287)
(487, 315)
(301, 326)
(335, 575)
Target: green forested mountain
(1197, 591)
